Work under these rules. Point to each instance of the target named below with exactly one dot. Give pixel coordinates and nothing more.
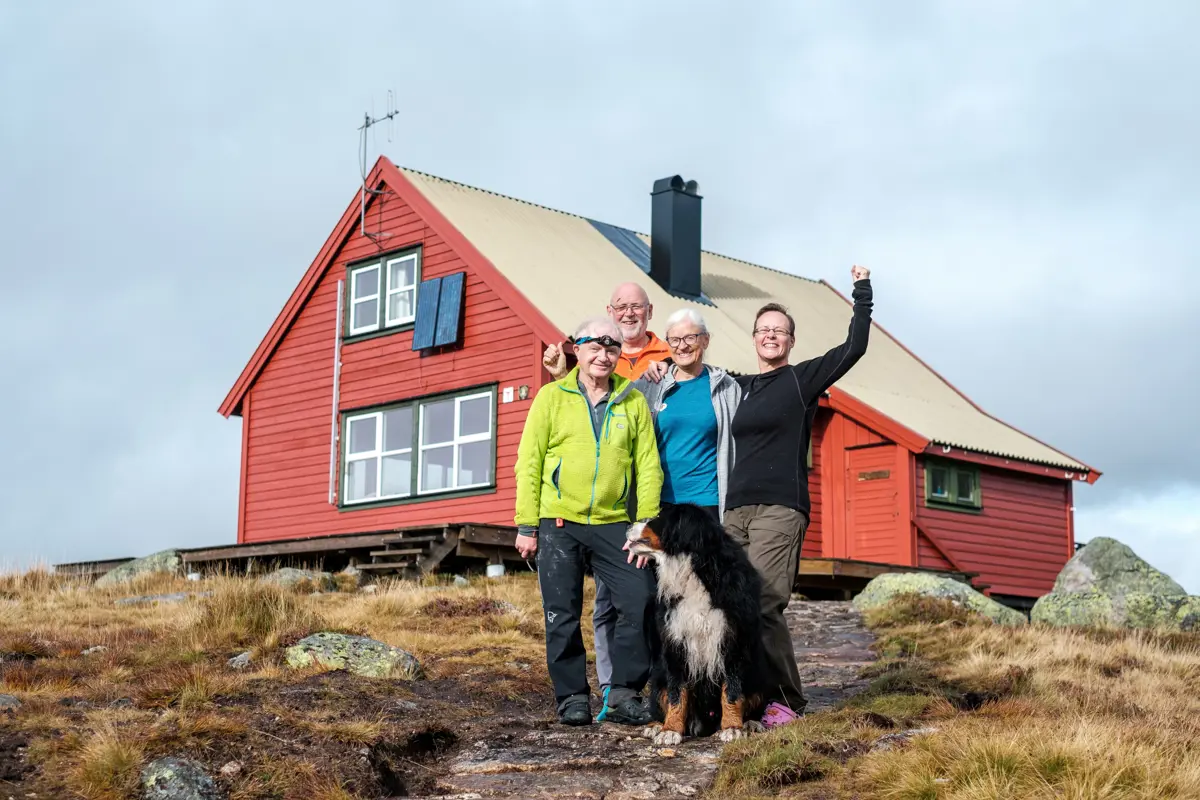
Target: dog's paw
(650, 731)
(730, 734)
(754, 726)
(668, 738)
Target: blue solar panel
(449, 309)
(627, 242)
(427, 306)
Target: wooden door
(873, 504)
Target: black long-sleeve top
(774, 420)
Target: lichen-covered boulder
(174, 778)
(165, 561)
(9, 701)
(357, 654)
(1106, 584)
(884, 588)
(290, 578)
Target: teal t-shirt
(686, 429)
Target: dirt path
(537, 758)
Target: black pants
(561, 556)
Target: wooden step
(385, 566)
(411, 551)
(413, 539)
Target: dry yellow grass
(1030, 713)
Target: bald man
(631, 310)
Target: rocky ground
(519, 757)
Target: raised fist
(555, 361)
(859, 273)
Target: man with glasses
(767, 505)
(641, 351)
(585, 435)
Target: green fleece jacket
(564, 471)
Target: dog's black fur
(733, 587)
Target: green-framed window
(382, 293)
(420, 449)
(952, 485)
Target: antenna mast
(368, 122)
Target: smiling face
(598, 359)
(630, 309)
(687, 343)
(773, 338)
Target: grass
(160, 685)
(1030, 713)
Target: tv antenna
(368, 123)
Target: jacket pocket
(555, 478)
(624, 492)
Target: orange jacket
(632, 365)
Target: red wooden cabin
(391, 390)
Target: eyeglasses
(689, 339)
(768, 331)
(636, 308)
(603, 341)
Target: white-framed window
(383, 293)
(453, 439)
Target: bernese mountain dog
(709, 672)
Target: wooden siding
(874, 487)
(929, 556)
(286, 472)
(840, 435)
(1020, 540)
(814, 542)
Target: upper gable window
(383, 293)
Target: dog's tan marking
(731, 717)
(672, 729)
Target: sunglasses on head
(604, 341)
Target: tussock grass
(1031, 712)
(107, 766)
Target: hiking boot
(630, 711)
(575, 712)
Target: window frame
(383, 323)
(952, 501)
(416, 491)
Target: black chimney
(675, 236)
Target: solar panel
(449, 309)
(627, 242)
(427, 307)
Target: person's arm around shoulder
(647, 465)
(818, 374)
(531, 455)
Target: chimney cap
(675, 183)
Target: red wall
(814, 541)
(1018, 543)
(287, 444)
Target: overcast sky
(1020, 176)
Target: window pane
(397, 475)
(476, 416)
(437, 467)
(366, 283)
(362, 435)
(474, 463)
(397, 429)
(938, 485)
(438, 425)
(400, 306)
(401, 273)
(966, 486)
(364, 313)
(360, 482)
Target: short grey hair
(598, 326)
(685, 315)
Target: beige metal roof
(567, 268)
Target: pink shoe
(777, 714)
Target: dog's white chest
(692, 623)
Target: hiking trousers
(771, 536)
(561, 556)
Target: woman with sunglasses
(586, 436)
(692, 407)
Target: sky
(1021, 177)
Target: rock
(240, 661)
(231, 769)
(8, 701)
(357, 654)
(121, 702)
(165, 561)
(174, 778)
(461, 582)
(882, 589)
(174, 597)
(370, 588)
(891, 740)
(290, 578)
(91, 651)
(1106, 584)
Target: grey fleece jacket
(725, 398)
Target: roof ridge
(589, 219)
